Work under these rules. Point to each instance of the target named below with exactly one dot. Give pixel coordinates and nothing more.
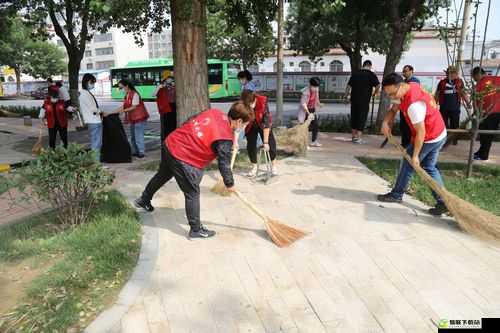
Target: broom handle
(421, 172)
(233, 157)
(251, 205)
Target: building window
(90, 66)
(88, 53)
(322, 64)
(104, 64)
(103, 37)
(305, 66)
(253, 68)
(104, 51)
(291, 64)
(336, 66)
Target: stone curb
(139, 279)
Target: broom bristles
(294, 140)
(282, 234)
(220, 189)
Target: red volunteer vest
(192, 142)
(163, 101)
(259, 110)
(138, 114)
(442, 86)
(50, 113)
(489, 90)
(311, 103)
(434, 124)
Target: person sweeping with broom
(428, 135)
(188, 150)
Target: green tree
(21, 51)
(76, 21)
(245, 38)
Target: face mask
(91, 86)
(242, 82)
(54, 99)
(170, 81)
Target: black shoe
(439, 210)
(388, 198)
(138, 155)
(146, 205)
(478, 157)
(201, 233)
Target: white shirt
(64, 94)
(417, 112)
(88, 107)
(135, 99)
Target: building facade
(160, 45)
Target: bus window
(215, 74)
(233, 70)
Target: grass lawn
(483, 189)
(242, 162)
(55, 278)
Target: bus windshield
(215, 74)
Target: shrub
(18, 111)
(69, 180)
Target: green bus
(147, 74)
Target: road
(107, 105)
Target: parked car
(39, 93)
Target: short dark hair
(49, 80)
(314, 81)
(367, 63)
(478, 70)
(127, 84)
(59, 84)
(87, 78)
(410, 67)
(245, 74)
(247, 97)
(392, 79)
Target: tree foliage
(22, 51)
(241, 37)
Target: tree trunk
(190, 57)
(74, 60)
(279, 76)
(392, 59)
(463, 33)
(355, 61)
(17, 71)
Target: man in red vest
(428, 135)
(188, 150)
(488, 99)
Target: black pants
(314, 126)
(188, 178)
(63, 134)
(489, 123)
(405, 131)
(359, 114)
(252, 143)
(168, 124)
(451, 118)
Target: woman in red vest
(188, 150)
(135, 114)
(428, 135)
(53, 115)
(168, 115)
(260, 126)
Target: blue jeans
(95, 132)
(137, 137)
(428, 161)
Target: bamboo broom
(37, 147)
(220, 188)
(281, 234)
(470, 218)
(295, 140)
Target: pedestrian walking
(53, 116)
(309, 105)
(260, 125)
(135, 114)
(246, 82)
(428, 135)
(488, 100)
(403, 126)
(361, 87)
(450, 94)
(189, 150)
(89, 109)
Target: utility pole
(279, 67)
(463, 33)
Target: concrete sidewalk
(365, 267)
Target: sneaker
(439, 209)
(479, 158)
(388, 198)
(201, 233)
(253, 172)
(316, 144)
(357, 141)
(274, 171)
(146, 205)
